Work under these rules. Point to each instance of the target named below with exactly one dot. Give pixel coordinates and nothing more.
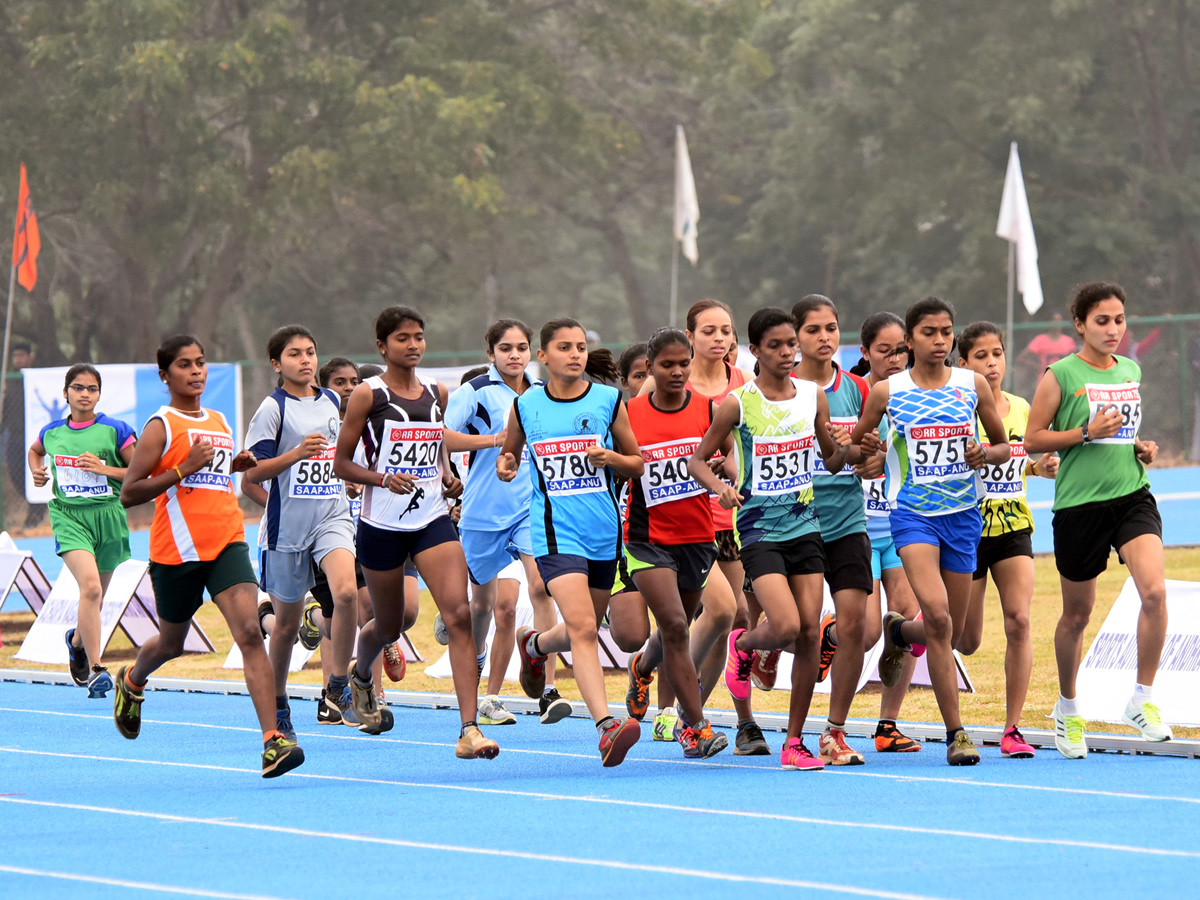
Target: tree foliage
(223, 167)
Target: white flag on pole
(687, 207)
(1016, 226)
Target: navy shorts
(382, 550)
(600, 572)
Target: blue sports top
(573, 509)
(481, 406)
(927, 472)
(841, 509)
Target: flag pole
(12, 286)
(1008, 321)
(674, 282)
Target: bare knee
(938, 625)
(968, 644)
(1075, 621)
(1154, 600)
(673, 630)
(628, 640)
(1016, 626)
(245, 634)
(456, 616)
(506, 617)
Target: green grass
(985, 707)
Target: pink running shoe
(796, 756)
(765, 669)
(737, 667)
(1014, 746)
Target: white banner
(128, 604)
(20, 572)
(131, 392)
(1109, 669)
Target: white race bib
(411, 450)
(938, 452)
(666, 475)
(819, 463)
(565, 466)
(313, 478)
(218, 474)
(1126, 399)
(781, 465)
(76, 482)
(1006, 481)
(875, 492)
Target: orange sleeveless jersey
(199, 517)
(722, 517)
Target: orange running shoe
(828, 647)
(395, 665)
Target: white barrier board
(1109, 669)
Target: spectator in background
(20, 357)
(1049, 347)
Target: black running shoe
(77, 661)
(750, 741)
(280, 755)
(264, 609)
(327, 713)
(553, 706)
(127, 707)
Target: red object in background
(26, 239)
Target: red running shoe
(533, 668)
(765, 669)
(617, 740)
(395, 666)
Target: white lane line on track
(484, 851)
(336, 733)
(1159, 498)
(637, 804)
(137, 885)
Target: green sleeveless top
(1101, 469)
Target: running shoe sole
(129, 726)
(557, 710)
(532, 683)
(310, 635)
(621, 737)
(281, 760)
(99, 686)
(828, 649)
(755, 745)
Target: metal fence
(1167, 347)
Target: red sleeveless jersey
(667, 505)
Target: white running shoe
(440, 634)
(1068, 735)
(492, 712)
(1147, 719)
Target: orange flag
(26, 240)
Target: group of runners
(673, 483)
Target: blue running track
(183, 810)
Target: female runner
(1005, 548)
(494, 527)
(398, 418)
(307, 519)
(185, 463)
(669, 535)
(570, 426)
(1088, 408)
(776, 420)
(87, 454)
(841, 512)
(931, 411)
(884, 354)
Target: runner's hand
(90, 462)
(41, 477)
(399, 482)
(452, 488)
(597, 456)
(243, 462)
(312, 445)
(1048, 465)
(729, 498)
(199, 456)
(840, 434)
(871, 442)
(871, 467)
(1106, 424)
(506, 467)
(974, 455)
(1146, 451)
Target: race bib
(1126, 399)
(1006, 481)
(875, 492)
(313, 478)
(819, 462)
(76, 482)
(411, 450)
(218, 474)
(938, 453)
(666, 475)
(781, 465)
(565, 466)
(356, 507)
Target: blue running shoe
(77, 661)
(99, 683)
